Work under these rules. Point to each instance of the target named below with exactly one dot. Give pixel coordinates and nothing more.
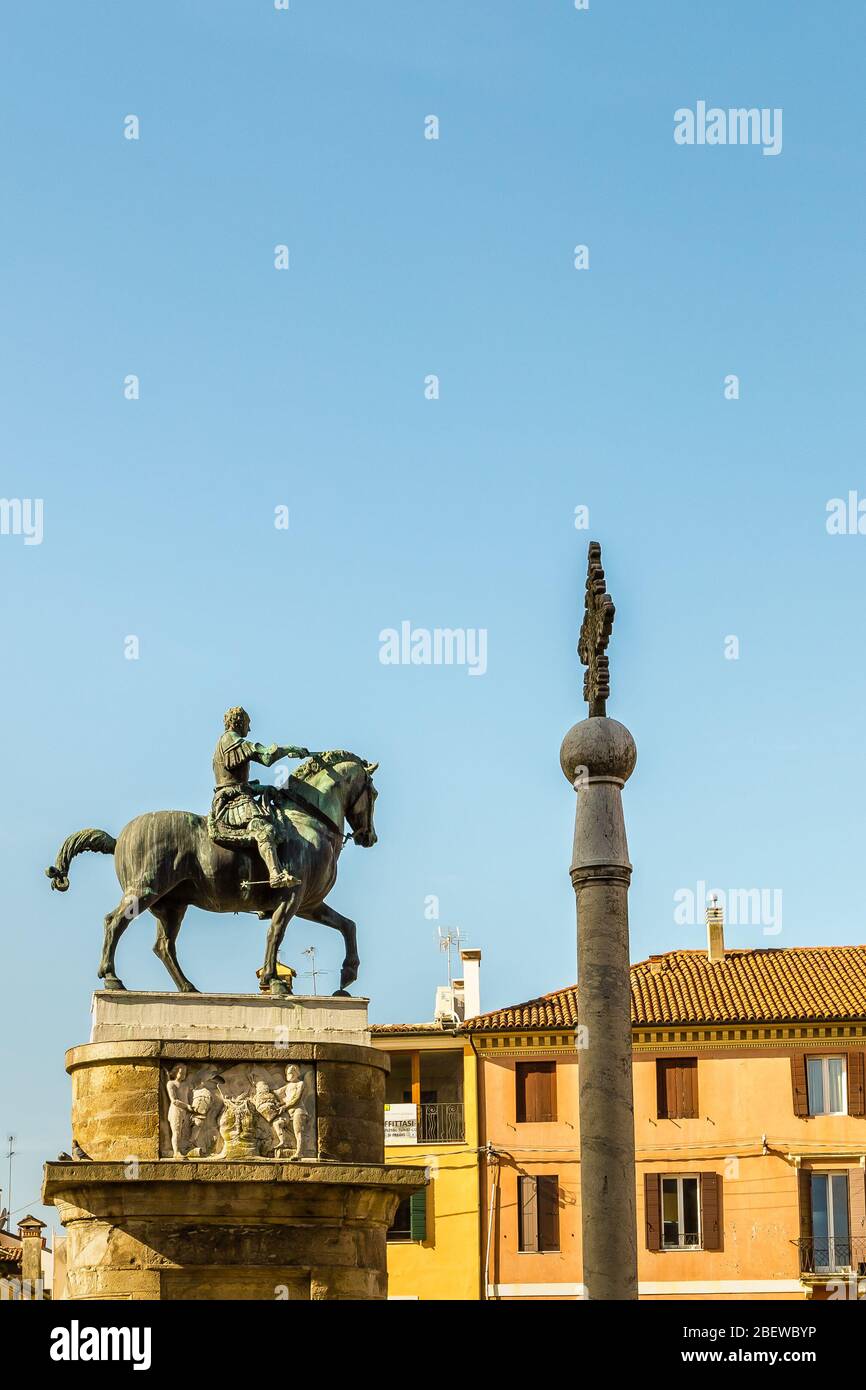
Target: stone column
(598, 756)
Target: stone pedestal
(235, 1150)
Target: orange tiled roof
(557, 1010)
(410, 1028)
(794, 984)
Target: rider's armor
(238, 815)
(234, 802)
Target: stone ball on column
(604, 747)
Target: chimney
(30, 1233)
(471, 983)
(715, 932)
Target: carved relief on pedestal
(244, 1110)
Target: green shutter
(418, 1215)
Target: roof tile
(776, 985)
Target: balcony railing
(441, 1124)
(832, 1255)
(429, 1124)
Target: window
(681, 1220)
(831, 1240)
(400, 1226)
(834, 1084)
(425, 1078)
(826, 1085)
(410, 1220)
(677, 1088)
(683, 1211)
(433, 1083)
(538, 1213)
(536, 1092)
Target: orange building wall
(531, 1149)
(742, 1096)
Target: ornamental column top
(595, 633)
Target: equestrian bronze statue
(271, 850)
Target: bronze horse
(166, 862)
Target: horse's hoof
(341, 994)
(112, 982)
(187, 989)
(279, 989)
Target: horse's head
(347, 779)
(359, 809)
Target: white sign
(401, 1124)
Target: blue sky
(305, 388)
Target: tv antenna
(311, 952)
(10, 1156)
(453, 939)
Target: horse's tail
(99, 841)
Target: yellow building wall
(446, 1264)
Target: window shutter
(804, 1178)
(672, 1100)
(677, 1088)
(519, 1093)
(527, 1203)
(661, 1090)
(418, 1215)
(798, 1084)
(667, 1089)
(548, 1212)
(680, 1073)
(534, 1095)
(652, 1210)
(536, 1092)
(690, 1098)
(547, 1092)
(856, 1087)
(711, 1212)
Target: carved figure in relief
(203, 1100)
(266, 1102)
(240, 1113)
(237, 1125)
(290, 1124)
(179, 1110)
